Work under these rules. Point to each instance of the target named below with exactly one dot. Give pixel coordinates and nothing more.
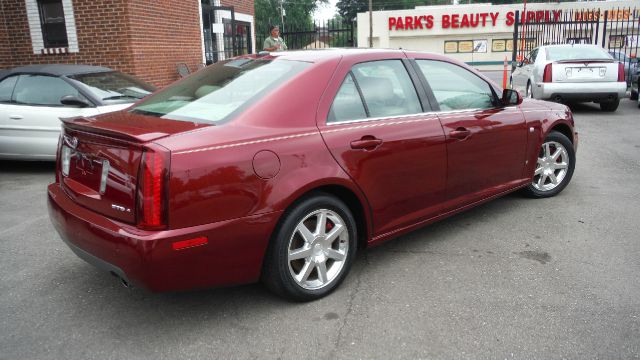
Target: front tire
(312, 250)
(554, 168)
(529, 93)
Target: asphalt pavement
(514, 278)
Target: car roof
(573, 45)
(319, 55)
(55, 69)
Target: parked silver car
(571, 73)
(34, 98)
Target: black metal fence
(317, 35)
(616, 30)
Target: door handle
(460, 133)
(15, 117)
(367, 142)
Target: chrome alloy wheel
(552, 166)
(318, 249)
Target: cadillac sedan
(282, 167)
(571, 73)
(34, 98)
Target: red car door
(373, 122)
(486, 142)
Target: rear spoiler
(84, 124)
(584, 61)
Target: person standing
(274, 42)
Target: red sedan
(280, 167)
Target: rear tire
(554, 167)
(312, 250)
(610, 106)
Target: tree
(298, 13)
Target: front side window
(456, 88)
(387, 88)
(216, 93)
(42, 90)
(54, 30)
(6, 88)
(533, 55)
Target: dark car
(631, 71)
(280, 167)
(33, 99)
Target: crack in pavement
(352, 298)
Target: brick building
(146, 38)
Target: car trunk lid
(101, 159)
(580, 71)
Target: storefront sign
(502, 45)
(453, 21)
(498, 45)
(620, 14)
(616, 41)
(450, 47)
(471, 20)
(465, 46)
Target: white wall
(433, 39)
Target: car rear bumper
(596, 91)
(233, 254)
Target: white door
(30, 117)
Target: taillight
(621, 72)
(546, 76)
(58, 157)
(152, 188)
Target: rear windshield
(216, 93)
(576, 53)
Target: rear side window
(387, 88)
(456, 88)
(6, 88)
(42, 90)
(348, 104)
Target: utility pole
(282, 15)
(370, 23)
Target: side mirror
(72, 100)
(511, 97)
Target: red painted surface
(232, 183)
